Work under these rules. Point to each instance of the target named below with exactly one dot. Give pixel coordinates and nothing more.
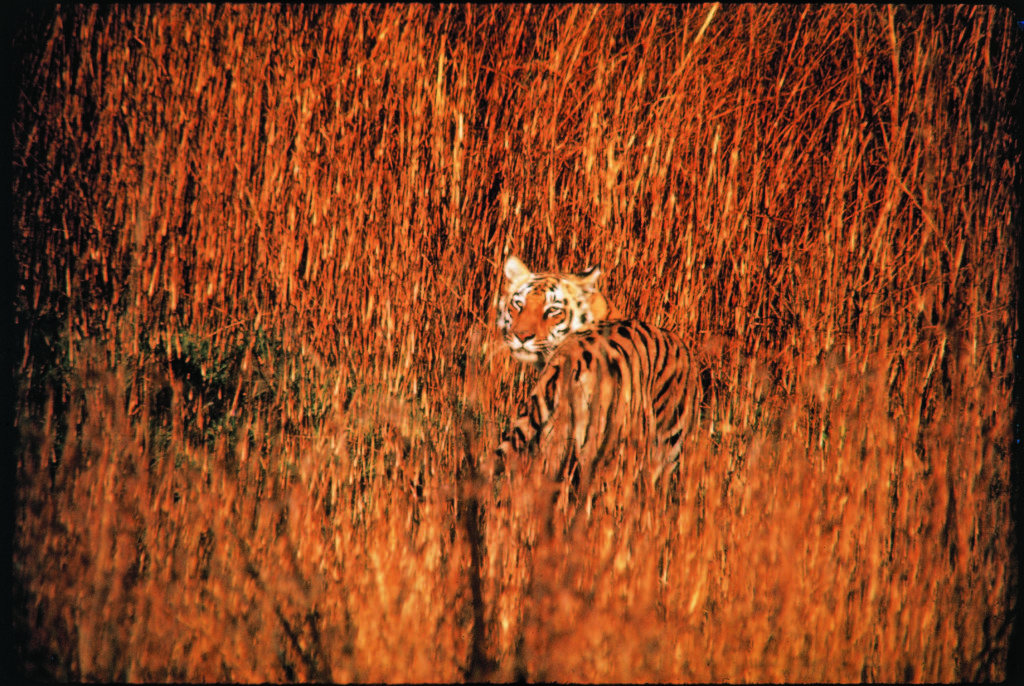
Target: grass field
(258, 255)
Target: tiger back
(612, 385)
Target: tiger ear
(515, 270)
(588, 278)
(600, 308)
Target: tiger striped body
(612, 387)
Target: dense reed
(259, 250)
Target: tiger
(606, 384)
(538, 311)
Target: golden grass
(259, 251)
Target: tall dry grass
(258, 254)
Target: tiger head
(538, 311)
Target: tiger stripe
(620, 384)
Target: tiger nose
(524, 336)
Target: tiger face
(538, 311)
